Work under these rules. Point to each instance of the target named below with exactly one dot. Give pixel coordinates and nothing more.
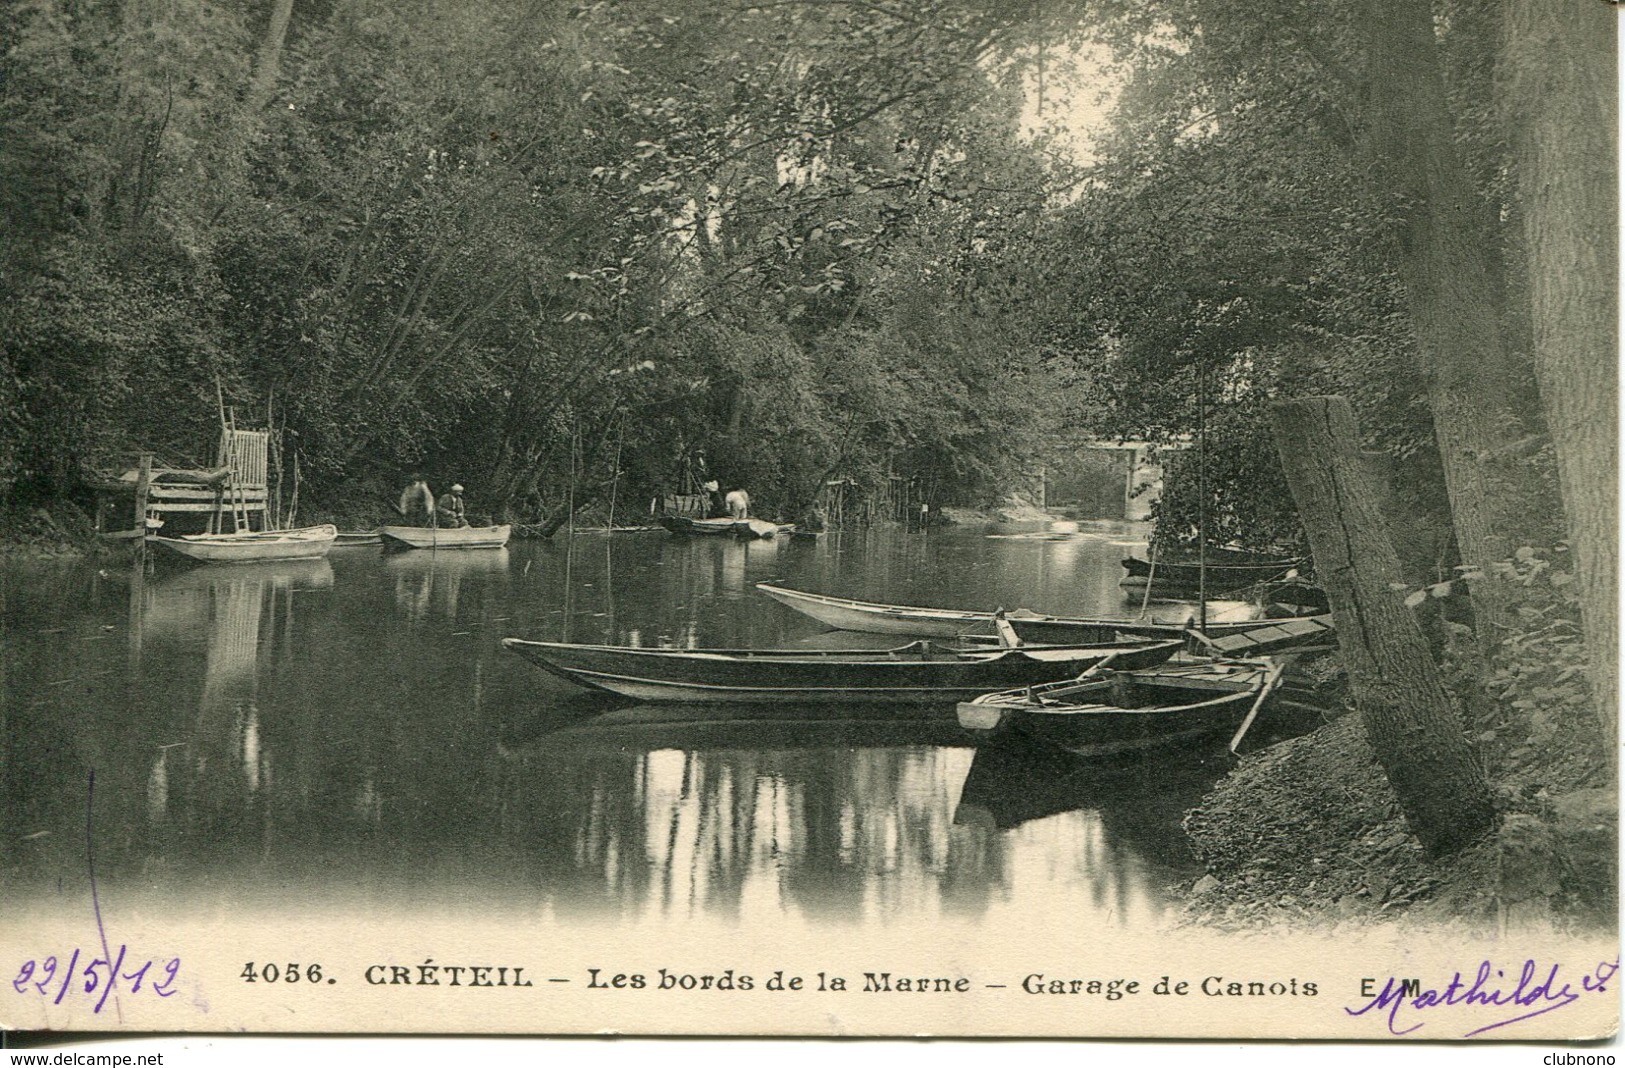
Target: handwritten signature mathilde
(1532, 990)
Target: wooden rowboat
(305, 543)
(924, 671)
(1225, 568)
(846, 614)
(358, 537)
(446, 537)
(1111, 712)
(724, 526)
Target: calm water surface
(349, 733)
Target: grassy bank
(1310, 832)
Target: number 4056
(287, 973)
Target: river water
(348, 735)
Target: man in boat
(738, 502)
(417, 503)
(449, 512)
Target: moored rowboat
(724, 525)
(1225, 567)
(845, 614)
(1122, 711)
(923, 671)
(305, 543)
(447, 537)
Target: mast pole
(1201, 499)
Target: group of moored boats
(312, 543)
(1094, 686)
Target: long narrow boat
(305, 543)
(1225, 567)
(358, 537)
(923, 671)
(845, 614)
(447, 537)
(1117, 712)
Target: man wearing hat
(449, 509)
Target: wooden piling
(143, 481)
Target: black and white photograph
(963, 519)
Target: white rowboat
(447, 537)
(305, 543)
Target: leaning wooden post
(1413, 728)
(143, 488)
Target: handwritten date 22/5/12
(95, 976)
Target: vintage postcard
(810, 518)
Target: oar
(1098, 667)
(1270, 680)
(1200, 639)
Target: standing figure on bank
(449, 512)
(715, 506)
(738, 502)
(417, 503)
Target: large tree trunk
(1412, 726)
(1481, 394)
(1560, 78)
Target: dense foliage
(513, 243)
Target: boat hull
(845, 614)
(446, 537)
(722, 527)
(1235, 570)
(922, 672)
(1126, 712)
(306, 543)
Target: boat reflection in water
(247, 618)
(428, 585)
(824, 811)
(745, 810)
(1125, 814)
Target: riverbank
(1309, 833)
(63, 531)
(1011, 511)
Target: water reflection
(352, 731)
(832, 833)
(428, 584)
(1124, 817)
(245, 617)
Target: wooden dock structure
(236, 489)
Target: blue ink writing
(48, 978)
(1536, 992)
